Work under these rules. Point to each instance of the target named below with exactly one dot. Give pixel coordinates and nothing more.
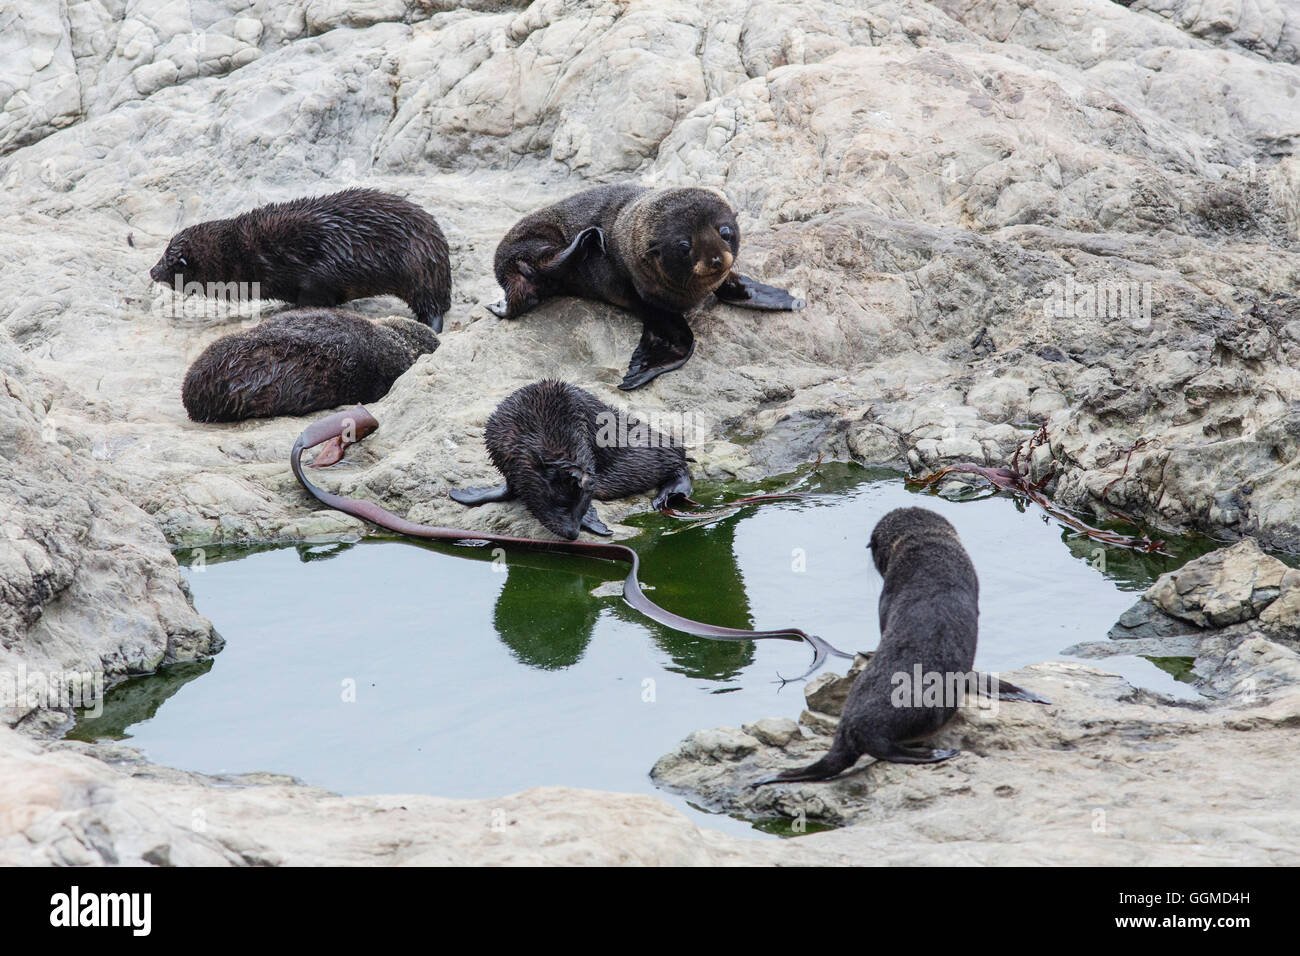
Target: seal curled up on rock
(301, 361)
(559, 447)
(320, 251)
(657, 252)
(929, 622)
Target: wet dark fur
(543, 439)
(929, 614)
(301, 361)
(321, 251)
(643, 264)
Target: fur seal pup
(301, 361)
(323, 251)
(656, 252)
(929, 621)
(356, 423)
(552, 441)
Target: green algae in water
(1179, 668)
(392, 665)
(785, 827)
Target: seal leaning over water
(301, 361)
(657, 252)
(323, 250)
(559, 447)
(929, 621)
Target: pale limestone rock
(1224, 587)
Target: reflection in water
(545, 619)
(1179, 668)
(322, 552)
(136, 699)
(481, 672)
(676, 565)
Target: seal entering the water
(929, 618)
(552, 442)
(657, 252)
(323, 250)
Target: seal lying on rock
(559, 447)
(929, 619)
(301, 361)
(323, 250)
(657, 252)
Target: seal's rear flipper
(897, 753)
(500, 308)
(480, 496)
(679, 486)
(832, 765)
(750, 294)
(591, 522)
(667, 343)
(1008, 690)
(588, 242)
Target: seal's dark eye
(726, 232)
(180, 261)
(684, 245)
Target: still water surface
(394, 666)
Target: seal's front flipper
(1009, 691)
(681, 485)
(480, 496)
(588, 242)
(667, 343)
(591, 522)
(750, 294)
(897, 753)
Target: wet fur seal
(356, 423)
(658, 253)
(929, 618)
(301, 361)
(545, 438)
(321, 251)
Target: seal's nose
(158, 273)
